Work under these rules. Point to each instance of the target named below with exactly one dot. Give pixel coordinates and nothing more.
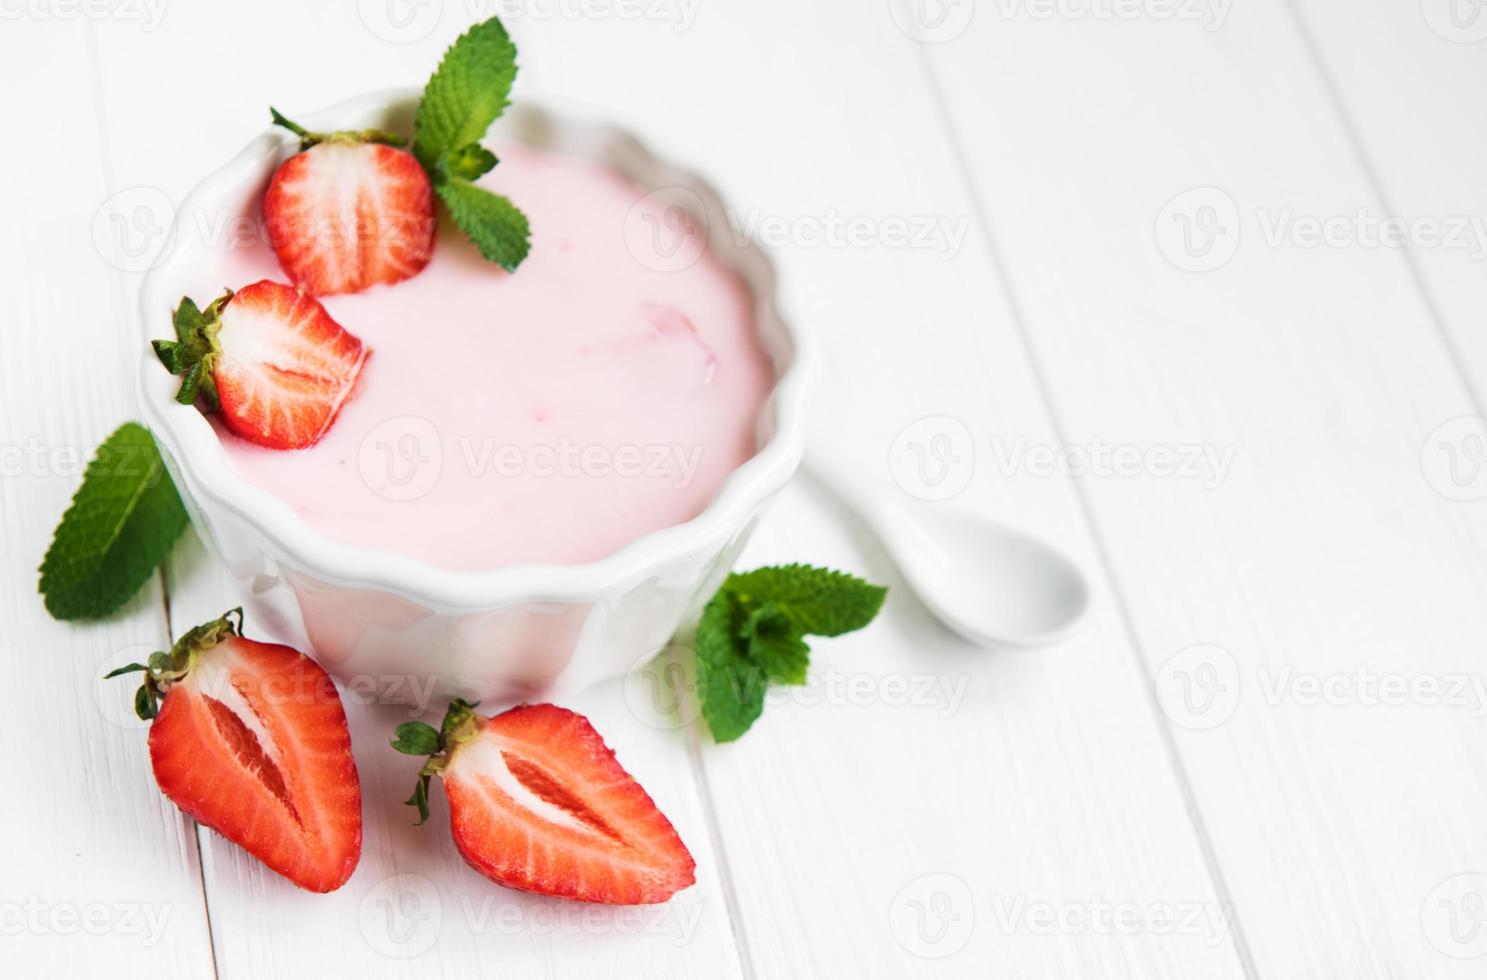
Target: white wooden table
(1143, 244)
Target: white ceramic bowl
(380, 619)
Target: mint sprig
(818, 601)
(467, 93)
(122, 523)
(752, 633)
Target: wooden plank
(100, 874)
(1406, 78)
(1325, 556)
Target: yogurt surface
(556, 414)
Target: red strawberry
(269, 358)
(538, 802)
(250, 739)
(349, 211)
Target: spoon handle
(851, 485)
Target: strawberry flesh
(253, 743)
(538, 802)
(344, 215)
(285, 367)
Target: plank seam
(715, 842)
(1374, 178)
(105, 158)
(196, 828)
(1106, 566)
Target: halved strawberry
(538, 802)
(269, 358)
(250, 739)
(351, 210)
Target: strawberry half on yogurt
(350, 210)
(268, 359)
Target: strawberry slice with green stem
(269, 358)
(538, 802)
(250, 739)
(351, 210)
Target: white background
(1263, 757)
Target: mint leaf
(494, 224)
(752, 632)
(468, 162)
(775, 645)
(468, 91)
(119, 528)
(730, 684)
(816, 601)
(784, 657)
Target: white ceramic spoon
(988, 582)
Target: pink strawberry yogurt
(552, 415)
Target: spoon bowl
(992, 584)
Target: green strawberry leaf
(494, 224)
(467, 93)
(817, 601)
(460, 725)
(417, 738)
(166, 669)
(308, 139)
(146, 703)
(731, 685)
(420, 798)
(193, 354)
(120, 526)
